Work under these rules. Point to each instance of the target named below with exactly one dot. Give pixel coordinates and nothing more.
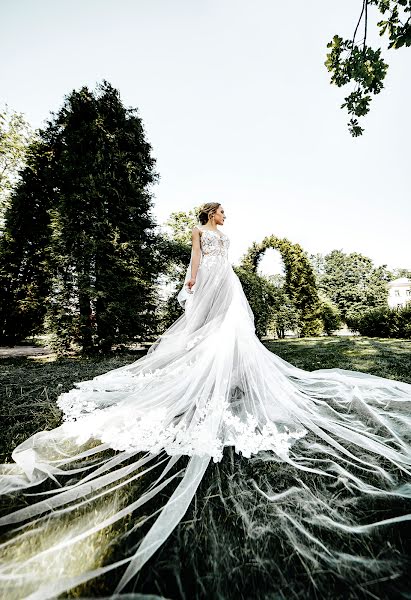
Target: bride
(136, 442)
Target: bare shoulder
(196, 230)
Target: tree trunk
(86, 325)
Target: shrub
(383, 322)
(261, 295)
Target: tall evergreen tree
(102, 243)
(103, 261)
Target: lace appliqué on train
(79, 401)
(250, 438)
(210, 429)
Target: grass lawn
(29, 388)
(383, 357)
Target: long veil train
(136, 442)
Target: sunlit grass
(32, 551)
(384, 357)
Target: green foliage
(181, 225)
(285, 315)
(396, 25)
(173, 254)
(24, 250)
(350, 61)
(174, 250)
(330, 316)
(300, 285)
(101, 254)
(261, 295)
(15, 137)
(104, 267)
(383, 322)
(352, 282)
(363, 66)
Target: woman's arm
(196, 255)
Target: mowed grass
(377, 356)
(216, 552)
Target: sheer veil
(137, 442)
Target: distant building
(399, 292)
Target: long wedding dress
(206, 383)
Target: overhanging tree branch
(349, 62)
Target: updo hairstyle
(206, 211)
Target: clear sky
(237, 105)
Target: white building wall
(399, 293)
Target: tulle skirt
(207, 383)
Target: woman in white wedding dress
(205, 384)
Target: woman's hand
(190, 283)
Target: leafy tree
(284, 315)
(181, 224)
(330, 315)
(175, 257)
(15, 136)
(352, 60)
(174, 250)
(352, 282)
(317, 262)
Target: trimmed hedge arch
(300, 283)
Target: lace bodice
(214, 243)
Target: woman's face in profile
(219, 216)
